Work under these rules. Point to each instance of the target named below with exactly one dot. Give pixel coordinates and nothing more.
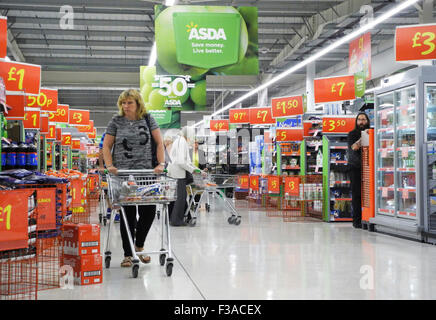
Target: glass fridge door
(430, 106)
(385, 155)
(405, 114)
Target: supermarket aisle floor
(266, 258)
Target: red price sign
(274, 184)
(287, 106)
(239, 116)
(17, 102)
(254, 183)
(415, 42)
(51, 132)
(93, 135)
(32, 119)
(66, 140)
(289, 135)
(21, 76)
(47, 100)
(261, 116)
(338, 125)
(219, 125)
(86, 129)
(14, 232)
(334, 89)
(292, 186)
(80, 117)
(58, 134)
(3, 37)
(243, 182)
(61, 114)
(75, 144)
(44, 124)
(46, 209)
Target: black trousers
(356, 190)
(177, 208)
(138, 228)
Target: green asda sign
(162, 117)
(207, 40)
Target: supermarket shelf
(339, 147)
(431, 184)
(385, 130)
(384, 211)
(389, 189)
(342, 219)
(385, 109)
(406, 169)
(432, 208)
(407, 107)
(406, 148)
(291, 167)
(341, 182)
(407, 127)
(339, 162)
(341, 199)
(290, 154)
(407, 189)
(385, 149)
(431, 158)
(388, 169)
(407, 213)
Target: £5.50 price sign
(21, 77)
(287, 106)
(283, 135)
(261, 116)
(47, 100)
(80, 117)
(415, 42)
(239, 116)
(337, 125)
(219, 125)
(292, 186)
(334, 89)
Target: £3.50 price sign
(21, 77)
(32, 119)
(283, 135)
(261, 116)
(334, 89)
(47, 100)
(415, 42)
(243, 182)
(287, 106)
(292, 186)
(337, 125)
(219, 125)
(239, 116)
(273, 184)
(80, 117)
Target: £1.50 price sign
(416, 42)
(219, 125)
(239, 116)
(334, 89)
(292, 186)
(337, 125)
(21, 77)
(261, 116)
(287, 106)
(284, 135)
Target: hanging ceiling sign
(261, 116)
(61, 115)
(21, 77)
(417, 42)
(3, 37)
(219, 125)
(47, 100)
(32, 118)
(239, 116)
(334, 89)
(285, 135)
(338, 124)
(80, 117)
(287, 106)
(360, 55)
(17, 103)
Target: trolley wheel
(169, 269)
(193, 222)
(135, 270)
(158, 215)
(100, 217)
(104, 221)
(162, 259)
(237, 221)
(107, 262)
(231, 219)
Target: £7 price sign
(415, 42)
(21, 77)
(286, 107)
(239, 116)
(261, 116)
(219, 125)
(292, 186)
(337, 125)
(334, 89)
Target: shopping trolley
(211, 185)
(142, 187)
(102, 216)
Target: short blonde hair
(141, 111)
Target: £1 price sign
(415, 42)
(334, 89)
(254, 183)
(239, 116)
(283, 135)
(66, 140)
(292, 186)
(273, 184)
(287, 106)
(338, 125)
(219, 125)
(47, 100)
(32, 119)
(51, 132)
(243, 182)
(261, 116)
(80, 117)
(21, 77)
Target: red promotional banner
(261, 116)
(273, 184)
(334, 89)
(17, 102)
(338, 125)
(289, 135)
(44, 125)
(77, 192)
(47, 100)
(292, 186)
(14, 232)
(75, 145)
(66, 140)
(243, 182)
(416, 42)
(360, 55)
(254, 183)
(287, 106)
(51, 132)
(32, 119)
(46, 209)
(239, 116)
(21, 77)
(80, 117)
(3, 37)
(61, 115)
(219, 125)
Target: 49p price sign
(173, 89)
(219, 125)
(337, 125)
(417, 42)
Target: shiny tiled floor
(266, 258)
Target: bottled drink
(11, 158)
(31, 158)
(21, 155)
(5, 150)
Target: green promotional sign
(162, 117)
(359, 84)
(207, 40)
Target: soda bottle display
(11, 157)
(31, 158)
(21, 155)
(5, 150)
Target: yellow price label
(291, 185)
(5, 216)
(260, 113)
(77, 116)
(425, 38)
(341, 86)
(13, 73)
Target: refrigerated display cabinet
(401, 126)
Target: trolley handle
(137, 171)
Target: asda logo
(196, 33)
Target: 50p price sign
(47, 100)
(338, 125)
(287, 106)
(416, 42)
(174, 89)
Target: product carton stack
(81, 244)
